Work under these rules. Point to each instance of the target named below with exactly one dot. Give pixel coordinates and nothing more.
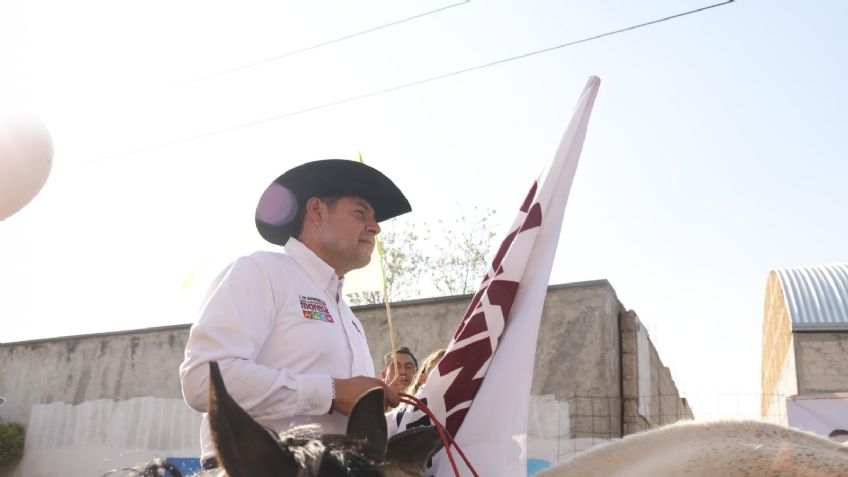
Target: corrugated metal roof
(816, 297)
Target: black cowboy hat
(280, 211)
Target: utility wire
(328, 42)
(404, 86)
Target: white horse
(711, 449)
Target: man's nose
(372, 226)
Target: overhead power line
(405, 85)
(329, 42)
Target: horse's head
(245, 449)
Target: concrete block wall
(575, 399)
(421, 325)
(97, 436)
(577, 352)
(672, 407)
(80, 394)
(660, 403)
(820, 360)
(577, 382)
(98, 402)
(631, 420)
(77, 369)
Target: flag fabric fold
(481, 388)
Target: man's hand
(398, 384)
(348, 391)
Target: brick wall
(776, 350)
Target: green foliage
(364, 297)
(461, 258)
(403, 264)
(12, 436)
(447, 259)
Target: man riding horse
(288, 345)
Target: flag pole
(392, 343)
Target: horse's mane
(313, 451)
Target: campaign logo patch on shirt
(315, 309)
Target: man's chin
(363, 262)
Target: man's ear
(314, 209)
(383, 375)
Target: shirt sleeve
(234, 323)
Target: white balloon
(26, 156)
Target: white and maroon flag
(481, 388)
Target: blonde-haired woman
(427, 365)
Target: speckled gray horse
(711, 449)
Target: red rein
(447, 439)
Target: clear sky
(716, 151)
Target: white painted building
(805, 345)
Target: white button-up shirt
(279, 329)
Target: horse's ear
(411, 449)
(368, 423)
(244, 448)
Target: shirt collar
(318, 270)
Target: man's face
(406, 371)
(347, 237)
